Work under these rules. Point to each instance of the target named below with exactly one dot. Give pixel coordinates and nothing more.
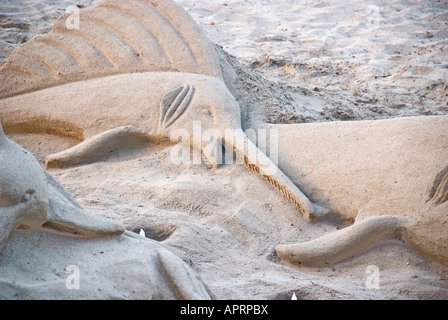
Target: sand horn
(343, 244)
(258, 162)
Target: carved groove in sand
(174, 104)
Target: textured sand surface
(368, 60)
(304, 61)
(227, 222)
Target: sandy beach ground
(374, 59)
(362, 60)
(368, 59)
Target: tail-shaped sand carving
(343, 244)
(134, 71)
(174, 104)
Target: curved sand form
(343, 244)
(114, 37)
(389, 176)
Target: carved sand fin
(114, 37)
(67, 215)
(73, 220)
(343, 244)
(180, 278)
(96, 147)
(439, 190)
(258, 162)
(174, 104)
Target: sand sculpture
(34, 203)
(343, 244)
(367, 233)
(390, 178)
(158, 36)
(140, 70)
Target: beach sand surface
(313, 61)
